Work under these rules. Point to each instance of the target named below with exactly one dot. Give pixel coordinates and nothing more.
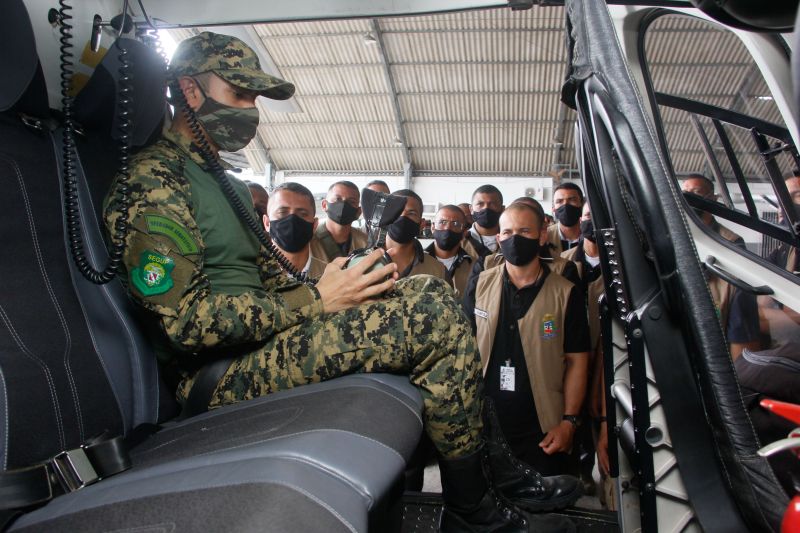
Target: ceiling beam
(317, 66)
(390, 84)
(559, 29)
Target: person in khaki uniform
(737, 310)
(409, 256)
(533, 340)
(449, 229)
(337, 237)
(566, 232)
(291, 223)
(487, 205)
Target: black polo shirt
(517, 409)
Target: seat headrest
(96, 105)
(19, 63)
(750, 15)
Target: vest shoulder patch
(174, 231)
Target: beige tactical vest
(593, 293)
(554, 238)
(721, 290)
(542, 333)
(791, 259)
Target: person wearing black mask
(336, 237)
(566, 232)
(291, 224)
(533, 340)
(408, 254)
(487, 205)
(449, 227)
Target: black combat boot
(517, 481)
(470, 503)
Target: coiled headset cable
(71, 200)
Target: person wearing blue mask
(291, 222)
(533, 339)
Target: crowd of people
(529, 289)
(536, 319)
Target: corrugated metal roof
(477, 91)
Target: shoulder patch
(153, 275)
(176, 232)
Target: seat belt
(67, 471)
(204, 385)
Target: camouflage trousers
(420, 331)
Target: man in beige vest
(408, 254)
(557, 264)
(336, 237)
(449, 227)
(566, 232)
(737, 310)
(291, 223)
(533, 339)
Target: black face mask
(587, 230)
(519, 250)
(568, 215)
(487, 218)
(403, 230)
(446, 239)
(342, 213)
(291, 233)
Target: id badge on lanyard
(507, 377)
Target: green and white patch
(154, 273)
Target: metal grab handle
(778, 446)
(712, 265)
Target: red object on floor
(791, 519)
(788, 411)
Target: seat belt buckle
(73, 469)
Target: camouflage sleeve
(163, 264)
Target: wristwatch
(572, 419)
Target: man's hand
(342, 289)
(603, 462)
(558, 439)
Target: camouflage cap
(231, 59)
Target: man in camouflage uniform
(213, 291)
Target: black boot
(470, 504)
(517, 481)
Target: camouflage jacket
(165, 269)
